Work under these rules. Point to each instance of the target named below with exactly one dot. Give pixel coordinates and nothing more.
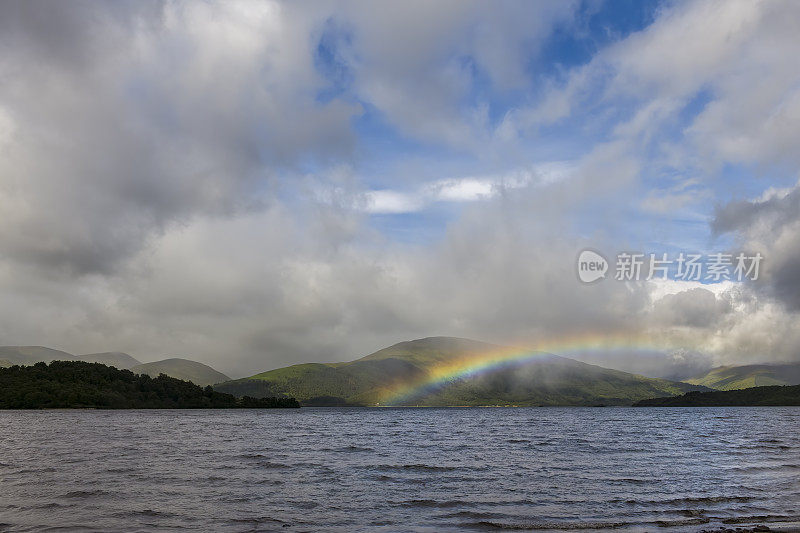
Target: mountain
(193, 371)
(742, 377)
(453, 371)
(776, 395)
(28, 355)
(120, 360)
(77, 384)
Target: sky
(257, 184)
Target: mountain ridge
(734, 377)
(119, 360)
(185, 369)
(439, 371)
(28, 355)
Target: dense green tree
(76, 384)
(774, 395)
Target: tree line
(775, 395)
(77, 384)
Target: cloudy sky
(256, 184)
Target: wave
(545, 526)
(84, 493)
(692, 500)
(257, 520)
(791, 519)
(145, 513)
(351, 449)
(430, 503)
(419, 468)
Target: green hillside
(746, 376)
(116, 359)
(193, 371)
(776, 395)
(382, 377)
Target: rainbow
(480, 363)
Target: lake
(401, 469)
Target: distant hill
(119, 360)
(408, 373)
(776, 395)
(76, 384)
(28, 355)
(193, 371)
(746, 376)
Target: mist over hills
(409, 373)
(435, 371)
(746, 376)
(119, 360)
(670, 365)
(28, 355)
(184, 369)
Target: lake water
(363, 469)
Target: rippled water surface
(357, 469)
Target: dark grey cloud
(70, 36)
(126, 118)
(694, 307)
(770, 226)
(742, 215)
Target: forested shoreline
(77, 384)
(773, 395)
